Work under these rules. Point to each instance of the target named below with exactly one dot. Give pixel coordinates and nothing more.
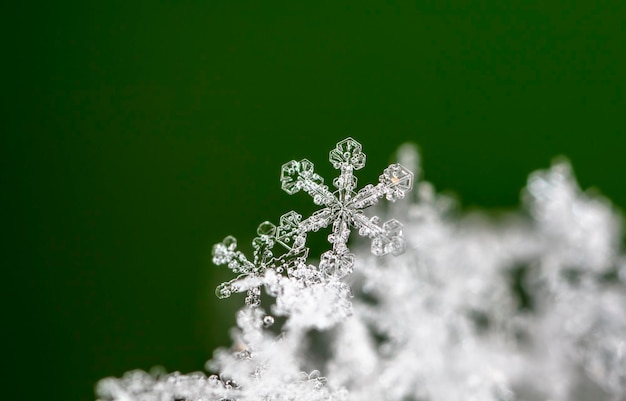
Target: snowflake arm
(225, 253)
(386, 239)
(395, 181)
(299, 175)
(347, 156)
(320, 219)
(340, 234)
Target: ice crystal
(343, 209)
(287, 235)
(530, 306)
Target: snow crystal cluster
(525, 306)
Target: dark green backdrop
(139, 133)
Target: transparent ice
(527, 305)
(283, 247)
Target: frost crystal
(344, 207)
(529, 306)
(287, 235)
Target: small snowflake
(286, 234)
(344, 207)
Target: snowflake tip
(391, 241)
(230, 243)
(337, 265)
(289, 177)
(296, 175)
(398, 180)
(266, 229)
(347, 153)
(224, 290)
(222, 251)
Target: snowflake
(343, 208)
(287, 234)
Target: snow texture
(526, 306)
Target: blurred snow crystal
(443, 307)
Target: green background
(137, 134)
